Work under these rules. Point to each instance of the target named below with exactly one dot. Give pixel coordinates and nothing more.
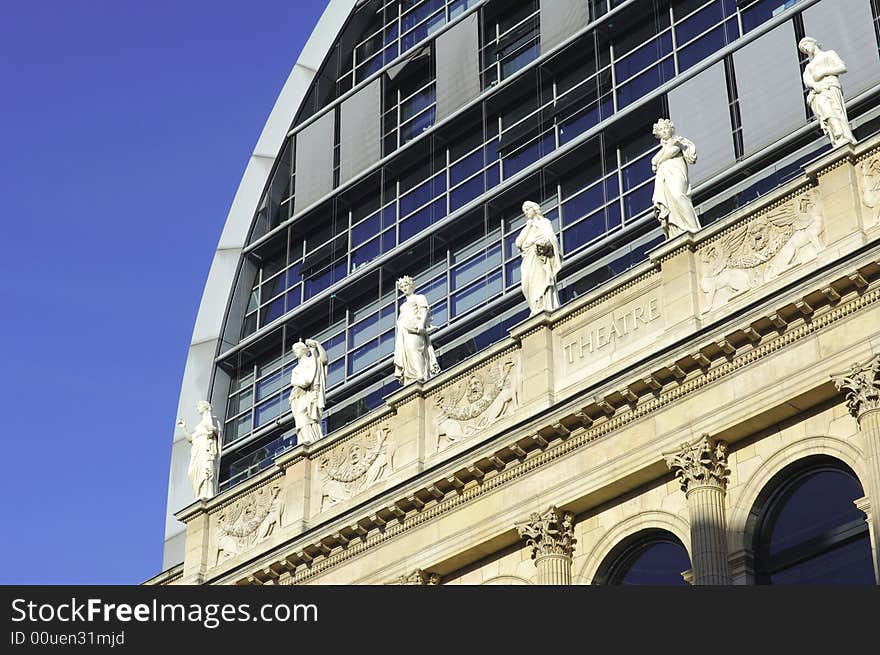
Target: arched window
(649, 557)
(809, 531)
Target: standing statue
(204, 450)
(414, 358)
(307, 398)
(825, 97)
(672, 188)
(541, 262)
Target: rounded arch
(507, 580)
(626, 529)
(745, 508)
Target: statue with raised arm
(539, 249)
(307, 397)
(825, 96)
(672, 188)
(414, 358)
(204, 451)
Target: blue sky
(126, 126)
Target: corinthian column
(551, 536)
(701, 467)
(861, 383)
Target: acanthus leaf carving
(761, 250)
(249, 521)
(354, 465)
(476, 402)
(700, 463)
(861, 383)
(549, 533)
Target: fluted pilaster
(701, 467)
(551, 537)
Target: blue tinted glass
(511, 270)
(817, 504)
(492, 150)
(699, 22)
(293, 298)
(584, 232)
(643, 57)
(468, 271)
(269, 385)
(612, 188)
(583, 204)
(476, 294)
(386, 344)
(701, 48)
(434, 291)
(366, 229)
(325, 278)
(267, 411)
(524, 157)
(273, 311)
(612, 215)
(362, 357)
(411, 201)
(493, 175)
(389, 239)
(415, 223)
(417, 125)
(466, 192)
(659, 563)
(388, 316)
(364, 254)
(335, 345)
(416, 103)
(646, 82)
(438, 184)
(638, 201)
(579, 123)
(761, 11)
(361, 332)
(637, 172)
(510, 249)
(389, 216)
(849, 563)
(439, 314)
(466, 167)
(336, 372)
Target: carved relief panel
(354, 465)
(474, 402)
(869, 186)
(248, 521)
(760, 250)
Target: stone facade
(667, 399)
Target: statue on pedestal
(204, 451)
(825, 96)
(307, 398)
(672, 188)
(541, 261)
(414, 358)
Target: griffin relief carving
(248, 522)
(869, 180)
(761, 250)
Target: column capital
(549, 533)
(700, 463)
(861, 385)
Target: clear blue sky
(125, 128)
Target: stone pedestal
(702, 470)
(551, 537)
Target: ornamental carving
(862, 386)
(419, 578)
(701, 463)
(550, 533)
(248, 522)
(869, 181)
(354, 466)
(761, 250)
(475, 402)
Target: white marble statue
(414, 358)
(307, 397)
(541, 261)
(825, 96)
(672, 188)
(204, 450)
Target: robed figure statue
(204, 450)
(672, 187)
(825, 96)
(541, 261)
(414, 358)
(307, 397)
